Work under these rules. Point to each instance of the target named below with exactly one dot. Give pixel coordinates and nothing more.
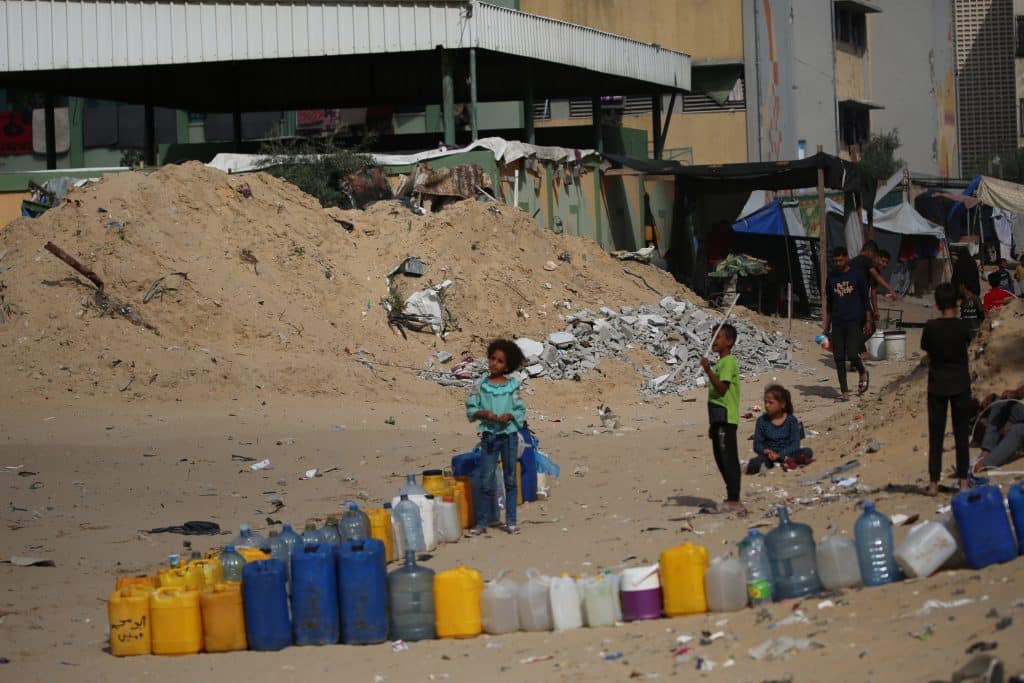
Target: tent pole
(823, 233)
(789, 306)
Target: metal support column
(595, 115)
(659, 143)
(472, 94)
(448, 97)
(51, 130)
(529, 133)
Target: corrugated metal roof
(47, 35)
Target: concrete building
(1018, 29)
(985, 82)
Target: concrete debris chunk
(674, 332)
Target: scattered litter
(849, 481)
(189, 529)
(872, 446)
(825, 604)
(242, 458)
(797, 617)
(609, 420)
(612, 656)
(261, 465)
(923, 634)
(981, 646)
(438, 677)
(929, 605)
(310, 474)
(535, 659)
(1004, 623)
(19, 561)
(780, 647)
(399, 646)
(338, 427)
(389, 421)
(705, 664)
(683, 638)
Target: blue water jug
(528, 462)
(1016, 498)
(363, 592)
(464, 464)
(267, 626)
(984, 527)
(792, 554)
(315, 595)
(873, 532)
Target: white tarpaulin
(503, 150)
(901, 219)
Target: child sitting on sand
(777, 434)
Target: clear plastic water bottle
(231, 562)
(411, 488)
(330, 532)
(311, 535)
(276, 546)
(754, 556)
(290, 538)
(354, 526)
(873, 532)
(247, 538)
(792, 554)
(174, 561)
(409, 515)
(397, 531)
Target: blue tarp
(768, 220)
(971, 190)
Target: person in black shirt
(1005, 279)
(945, 340)
(847, 306)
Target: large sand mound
(292, 321)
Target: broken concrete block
(530, 347)
(562, 340)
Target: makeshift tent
(900, 230)
(776, 234)
(1007, 201)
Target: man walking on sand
(847, 308)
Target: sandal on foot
(476, 531)
(975, 480)
(512, 529)
(865, 382)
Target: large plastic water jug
(1016, 498)
(311, 535)
(177, 624)
(397, 532)
(381, 529)
(753, 553)
(247, 538)
(682, 580)
(354, 525)
(129, 620)
(984, 526)
(212, 571)
(223, 618)
(838, 565)
(959, 559)
(566, 611)
(290, 538)
(411, 488)
(599, 597)
(279, 550)
(875, 546)
(457, 603)
(142, 580)
(252, 554)
(408, 515)
(428, 515)
(498, 609)
(464, 497)
(449, 528)
(315, 596)
(464, 464)
(265, 597)
(231, 564)
(791, 550)
(616, 580)
(926, 547)
(534, 602)
(726, 585)
(641, 593)
(363, 592)
(411, 601)
(435, 484)
(330, 532)
(190, 576)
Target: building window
(1020, 35)
(1020, 107)
(851, 28)
(854, 124)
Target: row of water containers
(344, 594)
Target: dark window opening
(854, 124)
(851, 28)
(1020, 35)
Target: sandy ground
(113, 463)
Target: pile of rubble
(675, 331)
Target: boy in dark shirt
(945, 340)
(847, 307)
(971, 308)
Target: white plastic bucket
(896, 344)
(876, 345)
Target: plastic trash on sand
(426, 306)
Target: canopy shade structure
(1001, 194)
(265, 55)
(902, 219)
(772, 219)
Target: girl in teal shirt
(494, 403)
